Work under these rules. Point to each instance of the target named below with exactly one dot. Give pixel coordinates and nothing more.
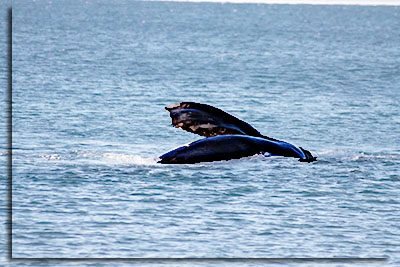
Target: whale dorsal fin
(206, 120)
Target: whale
(227, 147)
(206, 120)
(226, 137)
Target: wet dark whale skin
(226, 147)
(208, 121)
(227, 137)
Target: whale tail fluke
(206, 120)
(309, 157)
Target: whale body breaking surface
(227, 137)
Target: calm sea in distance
(90, 83)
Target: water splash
(349, 155)
(363, 156)
(102, 158)
(129, 159)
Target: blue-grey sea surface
(90, 82)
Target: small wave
(102, 158)
(355, 156)
(362, 156)
(50, 156)
(334, 152)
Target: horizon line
(295, 2)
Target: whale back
(227, 147)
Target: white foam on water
(333, 152)
(132, 159)
(298, 2)
(50, 156)
(129, 159)
(376, 156)
(352, 155)
(101, 158)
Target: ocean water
(90, 82)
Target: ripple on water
(89, 123)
